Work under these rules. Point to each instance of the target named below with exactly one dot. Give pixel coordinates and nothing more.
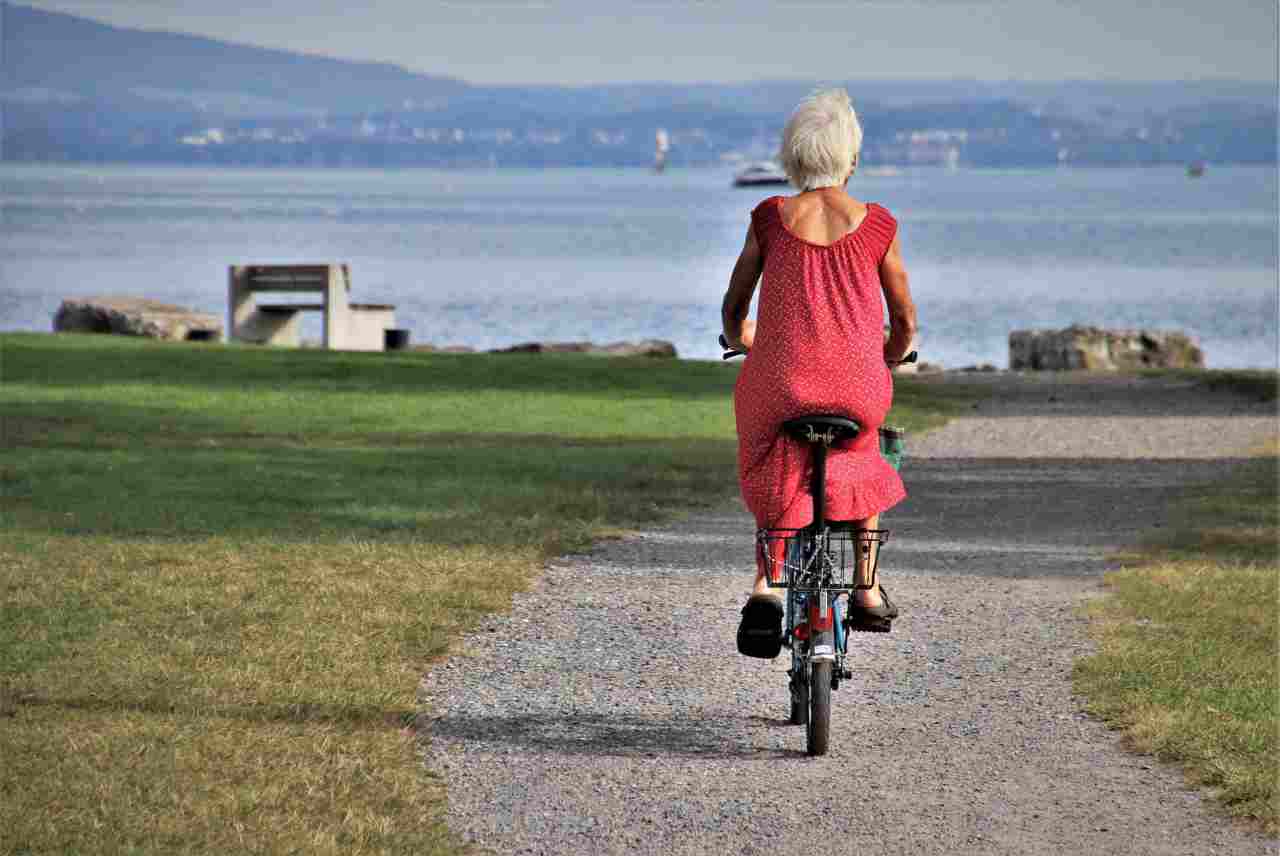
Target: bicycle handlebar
(730, 353)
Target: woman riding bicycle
(818, 345)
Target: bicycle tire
(819, 729)
(799, 700)
(798, 689)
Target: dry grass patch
(209, 697)
(1188, 642)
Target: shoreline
(927, 370)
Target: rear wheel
(799, 697)
(799, 676)
(819, 730)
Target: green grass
(1188, 644)
(225, 568)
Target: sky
(582, 42)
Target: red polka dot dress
(819, 348)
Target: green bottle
(892, 443)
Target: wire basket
(799, 559)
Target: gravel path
(610, 713)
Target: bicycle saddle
(822, 427)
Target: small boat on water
(662, 143)
(760, 174)
(1196, 169)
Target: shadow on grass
(610, 735)
(448, 488)
(78, 361)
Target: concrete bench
(347, 326)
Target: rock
(442, 349)
(644, 348)
(1097, 349)
(135, 316)
(546, 348)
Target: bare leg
(866, 576)
(868, 596)
(761, 587)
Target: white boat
(662, 143)
(760, 174)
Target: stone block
(135, 316)
(1083, 348)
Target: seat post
(819, 431)
(818, 485)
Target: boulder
(546, 348)
(1081, 348)
(442, 349)
(135, 316)
(644, 348)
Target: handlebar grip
(729, 353)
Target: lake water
(492, 258)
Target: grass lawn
(1188, 641)
(224, 569)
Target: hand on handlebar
(729, 352)
(909, 358)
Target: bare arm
(902, 309)
(738, 330)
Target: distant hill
(66, 56)
(76, 90)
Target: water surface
(491, 258)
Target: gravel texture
(610, 713)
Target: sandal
(871, 619)
(760, 633)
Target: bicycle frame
(817, 565)
(813, 626)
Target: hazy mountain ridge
(70, 54)
(75, 89)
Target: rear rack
(832, 560)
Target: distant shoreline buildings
(133, 96)
(406, 140)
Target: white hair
(821, 140)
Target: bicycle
(816, 565)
